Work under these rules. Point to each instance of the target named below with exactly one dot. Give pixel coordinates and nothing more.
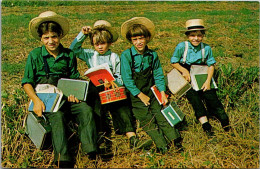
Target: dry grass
(227, 35)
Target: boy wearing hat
(195, 32)
(101, 38)
(141, 69)
(46, 65)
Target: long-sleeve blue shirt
(141, 63)
(87, 55)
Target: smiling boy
(182, 61)
(46, 65)
(141, 69)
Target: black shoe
(65, 164)
(135, 143)
(178, 144)
(93, 155)
(208, 129)
(227, 128)
(162, 150)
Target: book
(199, 74)
(78, 88)
(48, 88)
(99, 73)
(200, 80)
(173, 114)
(158, 94)
(38, 130)
(50, 100)
(177, 83)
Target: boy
(101, 37)
(195, 32)
(141, 69)
(50, 28)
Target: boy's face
(101, 48)
(51, 41)
(195, 37)
(140, 43)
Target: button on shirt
(64, 64)
(141, 63)
(87, 55)
(194, 54)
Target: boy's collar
(105, 54)
(46, 53)
(135, 52)
(194, 47)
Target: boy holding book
(141, 69)
(46, 65)
(196, 55)
(101, 38)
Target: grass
(233, 30)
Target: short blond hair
(101, 34)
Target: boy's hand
(38, 107)
(145, 99)
(86, 30)
(107, 84)
(164, 98)
(206, 85)
(73, 99)
(186, 74)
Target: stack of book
(177, 83)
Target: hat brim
(197, 29)
(35, 22)
(138, 20)
(113, 32)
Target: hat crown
(102, 22)
(194, 22)
(47, 14)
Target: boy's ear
(148, 38)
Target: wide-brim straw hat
(108, 27)
(138, 20)
(48, 16)
(193, 25)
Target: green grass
(233, 29)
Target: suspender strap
(46, 67)
(113, 61)
(186, 51)
(202, 51)
(133, 61)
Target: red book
(157, 94)
(98, 74)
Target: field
(234, 37)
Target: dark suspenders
(46, 67)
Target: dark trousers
(153, 122)
(121, 112)
(209, 98)
(83, 115)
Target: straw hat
(138, 20)
(193, 25)
(48, 16)
(108, 27)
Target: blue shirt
(141, 63)
(194, 54)
(87, 56)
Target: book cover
(157, 94)
(78, 88)
(199, 74)
(49, 100)
(98, 74)
(177, 83)
(173, 114)
(201, 78)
